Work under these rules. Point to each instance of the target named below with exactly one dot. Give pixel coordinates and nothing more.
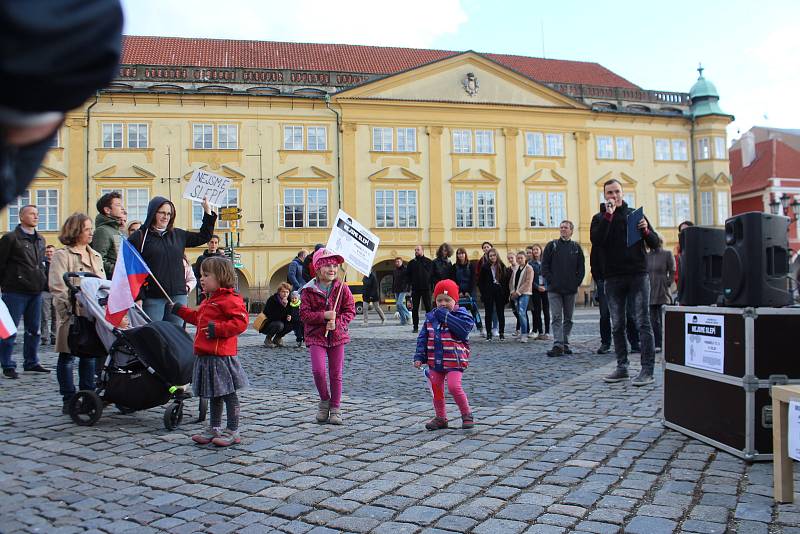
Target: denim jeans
(605, 314)
(66, 382)
(402, 309)
(561, 309)
(618, 289)
(477, 313)
(30, 307)
(154, 308)
(522, 312)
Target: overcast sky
(750, 50)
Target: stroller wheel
(85, 408)
(173, 416)
(203, 407)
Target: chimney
(748, 149)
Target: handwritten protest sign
(353, 242)
(209, 185)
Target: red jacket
(219, 320)
(313, 305)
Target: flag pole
(171, 303)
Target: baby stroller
(143, 366)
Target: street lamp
(774, 206)
(795, 209)
(783, 204)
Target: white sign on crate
(209, 185)
(705, 342)
(353, 242)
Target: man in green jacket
(107, 229)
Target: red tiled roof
(190, 52)
(782, 162)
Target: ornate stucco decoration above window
(471, 84)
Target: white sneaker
(515, 334)
(495, 332)
(523, 338)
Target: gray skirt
(215, 376)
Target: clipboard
(634, 234)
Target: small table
(783, 483)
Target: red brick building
(765, 169)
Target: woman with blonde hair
(76, 256)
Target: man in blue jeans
(625, 273)
(22, 280)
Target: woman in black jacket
(492, 282)
(162, 248)
(280, 320)
(372, 295)
(441, 265)
(462, 274)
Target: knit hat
(446, 287)
(294, 295)
(323, 257)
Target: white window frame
(232, 200)
(294, 205)
(465, 208)
(384, 208)
(680, 150)
(135, 138)
(316, 207)
(382, 139)
(317, 138)
(662, 149)
(138, 212)
(549, 208)
(47, 204)
(720, 150)
(13, 208)
(605, 147)
(406, 139)
(205, 131)
(112, 135)
(462, 141)
(486, 209)
(484, 141)
(407, 202)
(293, 137)
(703, 148)
(534, 143)
(673, 208)
(554, 142)
(624, 148)
(55, 141)
(224, 136)
(707, 208)
(723, 207)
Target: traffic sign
(230, 214)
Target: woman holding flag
(76, 256)
(162, 246)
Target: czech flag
(130, 272)
(7, 326)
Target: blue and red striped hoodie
(443, 342)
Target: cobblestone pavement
(555, 450)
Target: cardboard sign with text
(353, 242)
(209, 185)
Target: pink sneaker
(227, 439)
(207, 437)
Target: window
(202, 136)
(629, 198)
(722, 207)
(317, 138)
(555, 145)
(486, 209)
(624, 148)
(662, 150)
(484, 142)
(703, 148)
(673, 208)
(231, 201)
(112, 135)
(384, 209)
(47, 202)
(55, 141)
(462, 141)
(137, 136)
(134, 200)
(535, 142)
(706, 208)
(305, 208)
(719, 148)
(546, 209)
(13, 209)
(406, 139)
(605, 147)
(317, 208)
(293, 138)
(227, 136)
(464, 218)
(293, 208)
(407, 209)
(679, 152)
(382, 139)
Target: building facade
(421, 146)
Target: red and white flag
(130, 272)
(7, 326)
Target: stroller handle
(68, 276)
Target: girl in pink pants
(325, 319)
(443, 346)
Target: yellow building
(421, 146)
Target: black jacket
(400, 280)
(612, 236)
(487, 285)
(420, 272)
(22, 262)
(462, 274)
(371, 292)
(442, 269)
(275, 311)
(163, 253)
(596, 255)
(563, 266)
(200, 259)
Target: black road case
(719, 364)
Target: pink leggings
(456, 391)
(335, 365)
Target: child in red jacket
(325, 322)
(218, 374)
